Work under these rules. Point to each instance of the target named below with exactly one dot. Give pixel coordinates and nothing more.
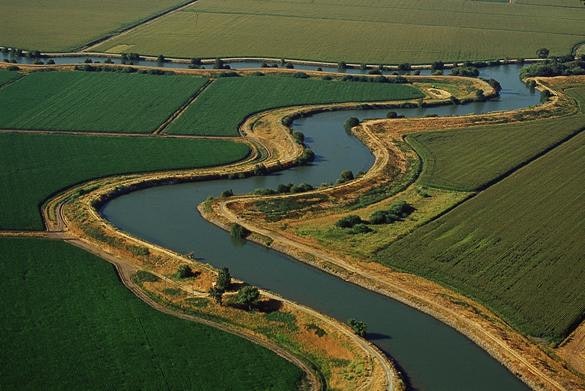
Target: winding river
(432, 355)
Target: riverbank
(521, 355)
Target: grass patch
(342, 30)
(468, 159)
(516, 247)
(32, 166)
(68, 24)
(93, 101)
(53, 320)
(227, 102)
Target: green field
(228, 101)
(33, 167)
(467, 159)
(94, 101)
(375, 31)
(64, 311)
(67, 24)
(517, 247)
(7, 76)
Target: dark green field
(93, 101)
(6, 76)
(68, 323)
(516, 247)
(32, 167)
(467, 159)
(226, 103)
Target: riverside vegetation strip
(228, 101)
(67, 24)
(35, 166)
(65, 310)
(94, 101)
(419, 31)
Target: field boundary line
(177, 113)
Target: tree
(349, 221)
(160, 58)
(345, 176)
(224, 279)
(184, 271)
(216, 294)
(238, 232)
(542, 53)
(248, 296)
(351, 122)
(358, 326)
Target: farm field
(33, 166)
(7, 76)
(60, 25)
(419, 31)
(467, 159)
(516, 247)
(94, 101)
(228, 101)
(65, 310)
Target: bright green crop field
(467, 159)
(374, 31)
(68, 24)
(94, 101)
(517, 247)
(64, 311)
(228, 101)
(33, 167)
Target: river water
(433, 355)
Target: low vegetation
(226, 102)
(48, 330)
(33, 166)
(90, 101)
(8, 76)
(469, 159)
(516, 247)
(404, 32)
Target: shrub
(349, 221)
(299, 137)
(346, 175)
(264, 191)
(238, 232)
(465, 71)
(144, 276)
(301, 75)
(360, 229)
(260, 169)
(351, 122)
(307, 156)
(227, 193)
(358, 326)
(301, 188)
(184, 271)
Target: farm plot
(65, 310)
(8, 76)
(341, 30)
(228, 101)
(470, 158)
(516, 247)
(32, 166)
(67, 24)
(94, 101)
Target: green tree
(345, 176)
(184, 271)
(358, 326)
(248, 296)
(351, 122)
(216, 294)
(224, 279)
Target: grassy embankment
(61, 25)
(65, 310)
(225, 103)
(32, 167)
(94, 101)
(340, 30)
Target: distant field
(65, 310)
(467, 159)
(32, 167)
(93, 101)
(6, 76)
(67, 24)
(375, 31)
(225, 103)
